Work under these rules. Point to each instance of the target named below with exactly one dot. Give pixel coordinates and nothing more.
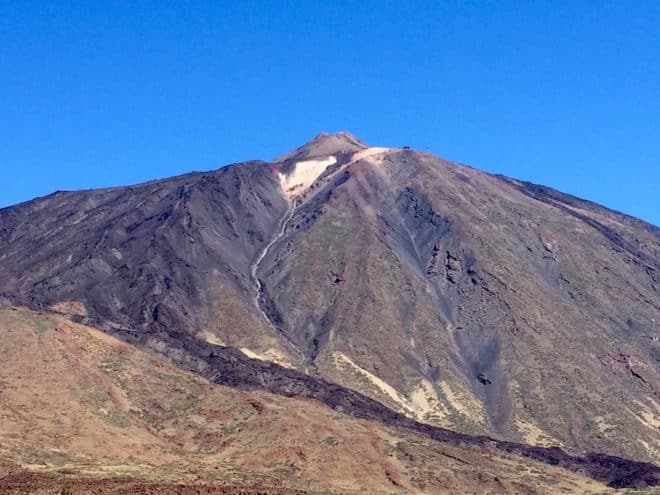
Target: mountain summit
(457, 299)
(324, 144)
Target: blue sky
(566, 94)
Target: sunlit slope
(74, 398)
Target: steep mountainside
(463, 300)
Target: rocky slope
(84, 410)
(459, 299)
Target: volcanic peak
(341, 143)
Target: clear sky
(562, 93)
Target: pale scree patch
(303, 175)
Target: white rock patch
(426, 403)
(368, 153)
(386, 388)
(303, 175)
(465, 404)
(272, 355)
(647, 416)
(423, 404)
(211, 338)
(533, 435)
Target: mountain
(391, 284)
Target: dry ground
(80, 408)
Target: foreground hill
(456, 298)
(85, 410)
